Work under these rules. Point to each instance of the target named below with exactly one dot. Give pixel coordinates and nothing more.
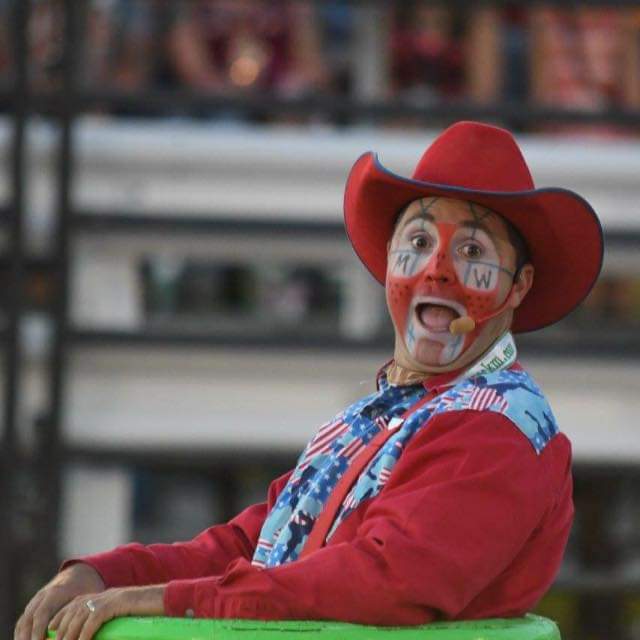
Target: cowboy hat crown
(475, 156)
(483, 164)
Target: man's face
(447, 258)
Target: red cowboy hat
(483, 164)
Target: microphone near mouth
(464, 324)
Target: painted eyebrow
(469, 224)
(474, 224)
(425, 215)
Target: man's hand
(73, 581)
(84, 615)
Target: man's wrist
(85, 573)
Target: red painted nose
(439, 269)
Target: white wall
(118, 397)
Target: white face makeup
(413, 247)
(476, 259)
(447, 259)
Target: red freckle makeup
(438, 272)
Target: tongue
(436, 317)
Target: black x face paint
(443, 264)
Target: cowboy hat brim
(561, 230)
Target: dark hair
(519, 245)
(398, 216)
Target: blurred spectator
(286, 48)
(131, 52)
(102, 59)
(5, 42)
(490, 53)
(46, 41)
(234, 47)
(439, 53)
(632, 58)
(6, 52)
(427, 56)
(336, 20)
(241, 47)
(578, 57)
(585, 58)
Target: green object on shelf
(530, 627)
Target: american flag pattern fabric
(484, 397)
(511, 392)
(322, 441)
(321, 465)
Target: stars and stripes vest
(508, 391)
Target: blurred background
(180, 307)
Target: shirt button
(189, 613)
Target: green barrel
(528, 628)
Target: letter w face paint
(438, 271)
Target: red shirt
(471, 524)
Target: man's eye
(472, 251)
(420, 242)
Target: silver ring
(91, 605)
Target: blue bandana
(320, 467)
(325, 459)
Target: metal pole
(9, 578)
(52, 461)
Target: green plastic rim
(530, 627)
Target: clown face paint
(447, 259)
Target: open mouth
(436, 315)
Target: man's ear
(521, 285)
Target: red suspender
(322, 525)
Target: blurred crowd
(583, 57)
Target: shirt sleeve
(208, 554)
(461, 502)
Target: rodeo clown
(446, 494)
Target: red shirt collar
(441, 381)
(437, 384)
